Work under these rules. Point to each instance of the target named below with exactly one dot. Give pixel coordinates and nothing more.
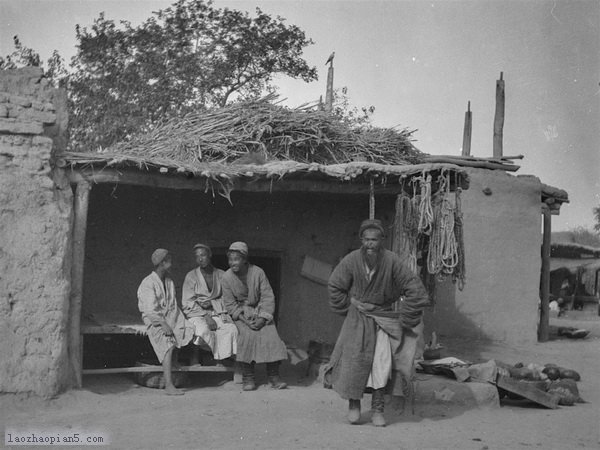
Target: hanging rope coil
(425, 208)
(432, 224)
(405, 237)
(442, 253)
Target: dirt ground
(215, 414)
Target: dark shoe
(353, 411)
(377, 406)
(277, 383)
(248, 383)
(273, 375)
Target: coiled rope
(405, 237)
(425, 208)
(442, 254)
(433, 221)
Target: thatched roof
(572, 265)
(264, 140)
(269, 132)
(304, 134)
(573, 250)
(262, 133)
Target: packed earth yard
(215, 414)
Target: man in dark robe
(383, 300)
(249, 300)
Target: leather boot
(377, 406)
(248, 383)
(273, 375)
(353, 411)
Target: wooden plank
(111, 329)
(157, 180)
(526, 390)
(157, 369)
(544, 326)
(459, 158)
(81, 202)
(469, 163)
(300, 181)
(499, 117)
(466, 148)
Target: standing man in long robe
(203, 306)
(365, 287)
(249, 300)
(167, 327)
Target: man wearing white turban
(167, 327)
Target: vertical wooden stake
(82, 194)
(466, 147)
(372, 200)
(499, 117)
(544, 327)
(329, 91)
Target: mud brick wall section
(35, 234)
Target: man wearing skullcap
(249, 300)
(167, 327)
(203, 306)
(370, 351)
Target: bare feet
(172, 390)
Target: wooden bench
(119, 323)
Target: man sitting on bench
(167, 327)
(202, 304)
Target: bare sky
(418, 63)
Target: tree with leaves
(23, 56)
(186, 57)
(189, 56)
(346, 112)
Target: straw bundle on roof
(302, 134)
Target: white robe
(157, 303)
(222, 341)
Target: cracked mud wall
(35, 231)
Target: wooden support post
(82, 194)
(544, 326)
(499, 117)
(329, 91)
(466, 147)
(372, 200)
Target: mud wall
(35, 221)
(125, 224)
(502, 232)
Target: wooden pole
(372, 200)
(329, 91)
(499, 117)
(544, 327)
(466, 148)
(82, 194)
